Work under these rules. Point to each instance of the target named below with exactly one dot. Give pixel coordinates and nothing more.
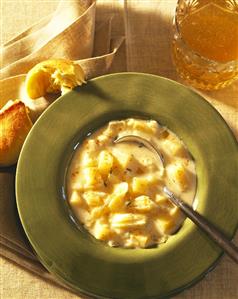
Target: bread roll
(53, 76)
(15, 124)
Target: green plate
(69, 252)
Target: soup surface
(116, 190)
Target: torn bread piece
(15, 124)
(53, 76)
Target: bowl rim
(177, 290)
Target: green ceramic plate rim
(177, 290)
(168, 295)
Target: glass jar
(205, 42)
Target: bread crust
(15, 124)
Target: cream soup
(116, 190)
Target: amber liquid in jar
(205, 50)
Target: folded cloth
(68, 33)
(72, 33)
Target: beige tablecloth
(147, 26)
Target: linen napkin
(71, 32)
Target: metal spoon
(215, 234)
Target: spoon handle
(229, 247)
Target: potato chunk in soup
(115, 190)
